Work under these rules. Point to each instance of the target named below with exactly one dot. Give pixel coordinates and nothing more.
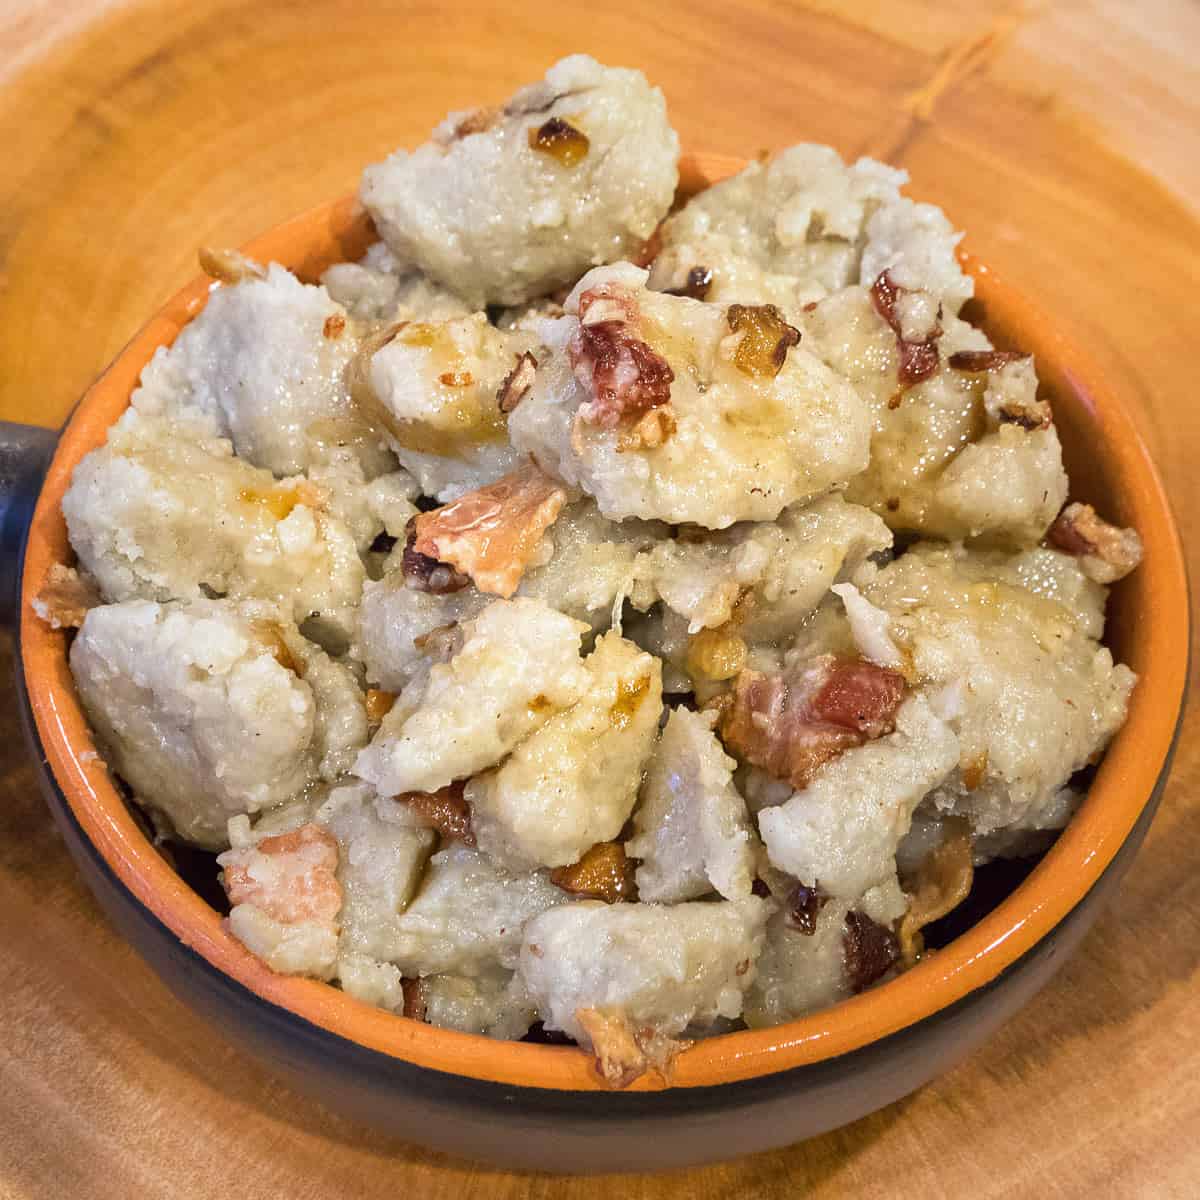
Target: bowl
(543, 1106)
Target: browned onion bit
(560, 140)
(1028, 416)
(414, 999)
(649, 250)
(766, 339)
(804, 907)
(697, 286)
(517, 382)
(870, 950)
(446, 810)
(603, 873)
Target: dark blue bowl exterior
(581, 1132)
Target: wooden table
(1065, 137)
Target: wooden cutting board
(1064, 137)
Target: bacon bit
(624, 375)
(378, 704)
(299, 885)
(229, 266)
(699, 283)
(334, 327)
(478, 121)
(445, 810)
(492, 532)
(271, 635)
(560, 140)
(791, 725)
(517, 382)
(425, 574)
(649, 250)
(811, 306)
(456, 379)
(603, 873)
(804, 906)
(715, 654)
(624, 1053)
(973, 773)
(65, 597)
(650, 432)
(1106, 552)
(976, 361)
(766, 339)
(941, 883)
(869, 950)
(918, 360)
(414, 999)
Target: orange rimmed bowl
(543, 1106)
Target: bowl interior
(1148, 628)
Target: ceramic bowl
(542, 1106)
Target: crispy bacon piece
(625, 1052)
(517, 382)
(334, 327)
(603, 873)
(804, 907)
(1106, 552)
(624, 375)
(697, 286)
(791, 725)
(291, 877)
(425, 574)
(446, 810)
(491, 533)
(941, 883)
(869, 950)
(561, 140)
(976, 361)
(918, 360)
(65, 598)
(766, 339)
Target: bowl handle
(24, 455)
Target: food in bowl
(586, 616)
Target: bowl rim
(1123, 785)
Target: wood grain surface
(1064, 136)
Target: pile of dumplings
(630, 619)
